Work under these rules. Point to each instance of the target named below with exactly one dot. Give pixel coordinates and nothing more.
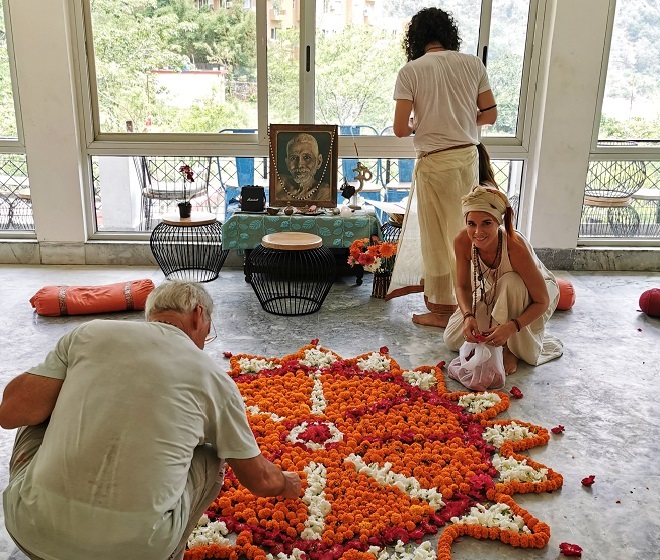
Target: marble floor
(604, 389)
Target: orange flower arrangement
(407, 460)
(374, 254)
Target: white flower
(255, 411)
(478, 402)
(497, 515)
(374, 362)
(374, 266)
(296, 554)
(318, 398)
(407, 484)
(314, 357)
(410, 551)
(511, 469)
(421, 379)
(499, 433)
(314, 498)
(254, 365)
(206, 533)
(335, 436)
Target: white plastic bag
(478, 366)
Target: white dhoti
(425, 257)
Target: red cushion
(649, 302)
(566, 294)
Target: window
(178, 73)
(7, 111)
(171, 67)
(622, 187)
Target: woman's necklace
(279, 179)
(480, 276)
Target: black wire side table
(189, 248)
(291, 273)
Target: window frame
(97, 143)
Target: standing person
(449, 97)
(303, 162)
(504, 291)
(125, 429)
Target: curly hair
(428, 26)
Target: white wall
(42, 48)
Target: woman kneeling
(505, 294)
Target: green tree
(128, 45)
(355, 74)
(7, 113)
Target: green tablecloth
(244, 231)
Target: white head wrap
(482, 199)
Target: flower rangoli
(388, 459)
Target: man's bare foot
(432, 319)
(510, 361)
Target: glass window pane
(506, 53)
(7, 112)
(283, 66)
(15, 198)
(180, 66)
(630, 104)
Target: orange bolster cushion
(82, 300)
(566, 295)
(649, 302)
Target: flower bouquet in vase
(376, 256)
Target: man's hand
(292, 485)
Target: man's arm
(264, 479)
(28, 400)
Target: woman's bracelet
(517, 323)
(468, 314)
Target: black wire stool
(291, 273)
(189, 249)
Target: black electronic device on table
(253, 199)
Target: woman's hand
(499, 335)
(471, 329)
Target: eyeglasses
(211, 337)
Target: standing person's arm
(487, 108)
(28, 400)
(264, 479)
(463, 252)
(402, 120)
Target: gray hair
(179, 296)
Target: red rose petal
(557, 429)
(516, 393)
(480, 337)
(384, 350)
(589, 480)
(227, 354)
(440, 365)
(314, 341)
(568, 549)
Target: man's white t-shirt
(108, 481)
(443, 87)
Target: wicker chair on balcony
(607, 210)
(162, 183)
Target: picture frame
(303, 165)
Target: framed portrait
(303, 165)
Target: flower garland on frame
(387, 456)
